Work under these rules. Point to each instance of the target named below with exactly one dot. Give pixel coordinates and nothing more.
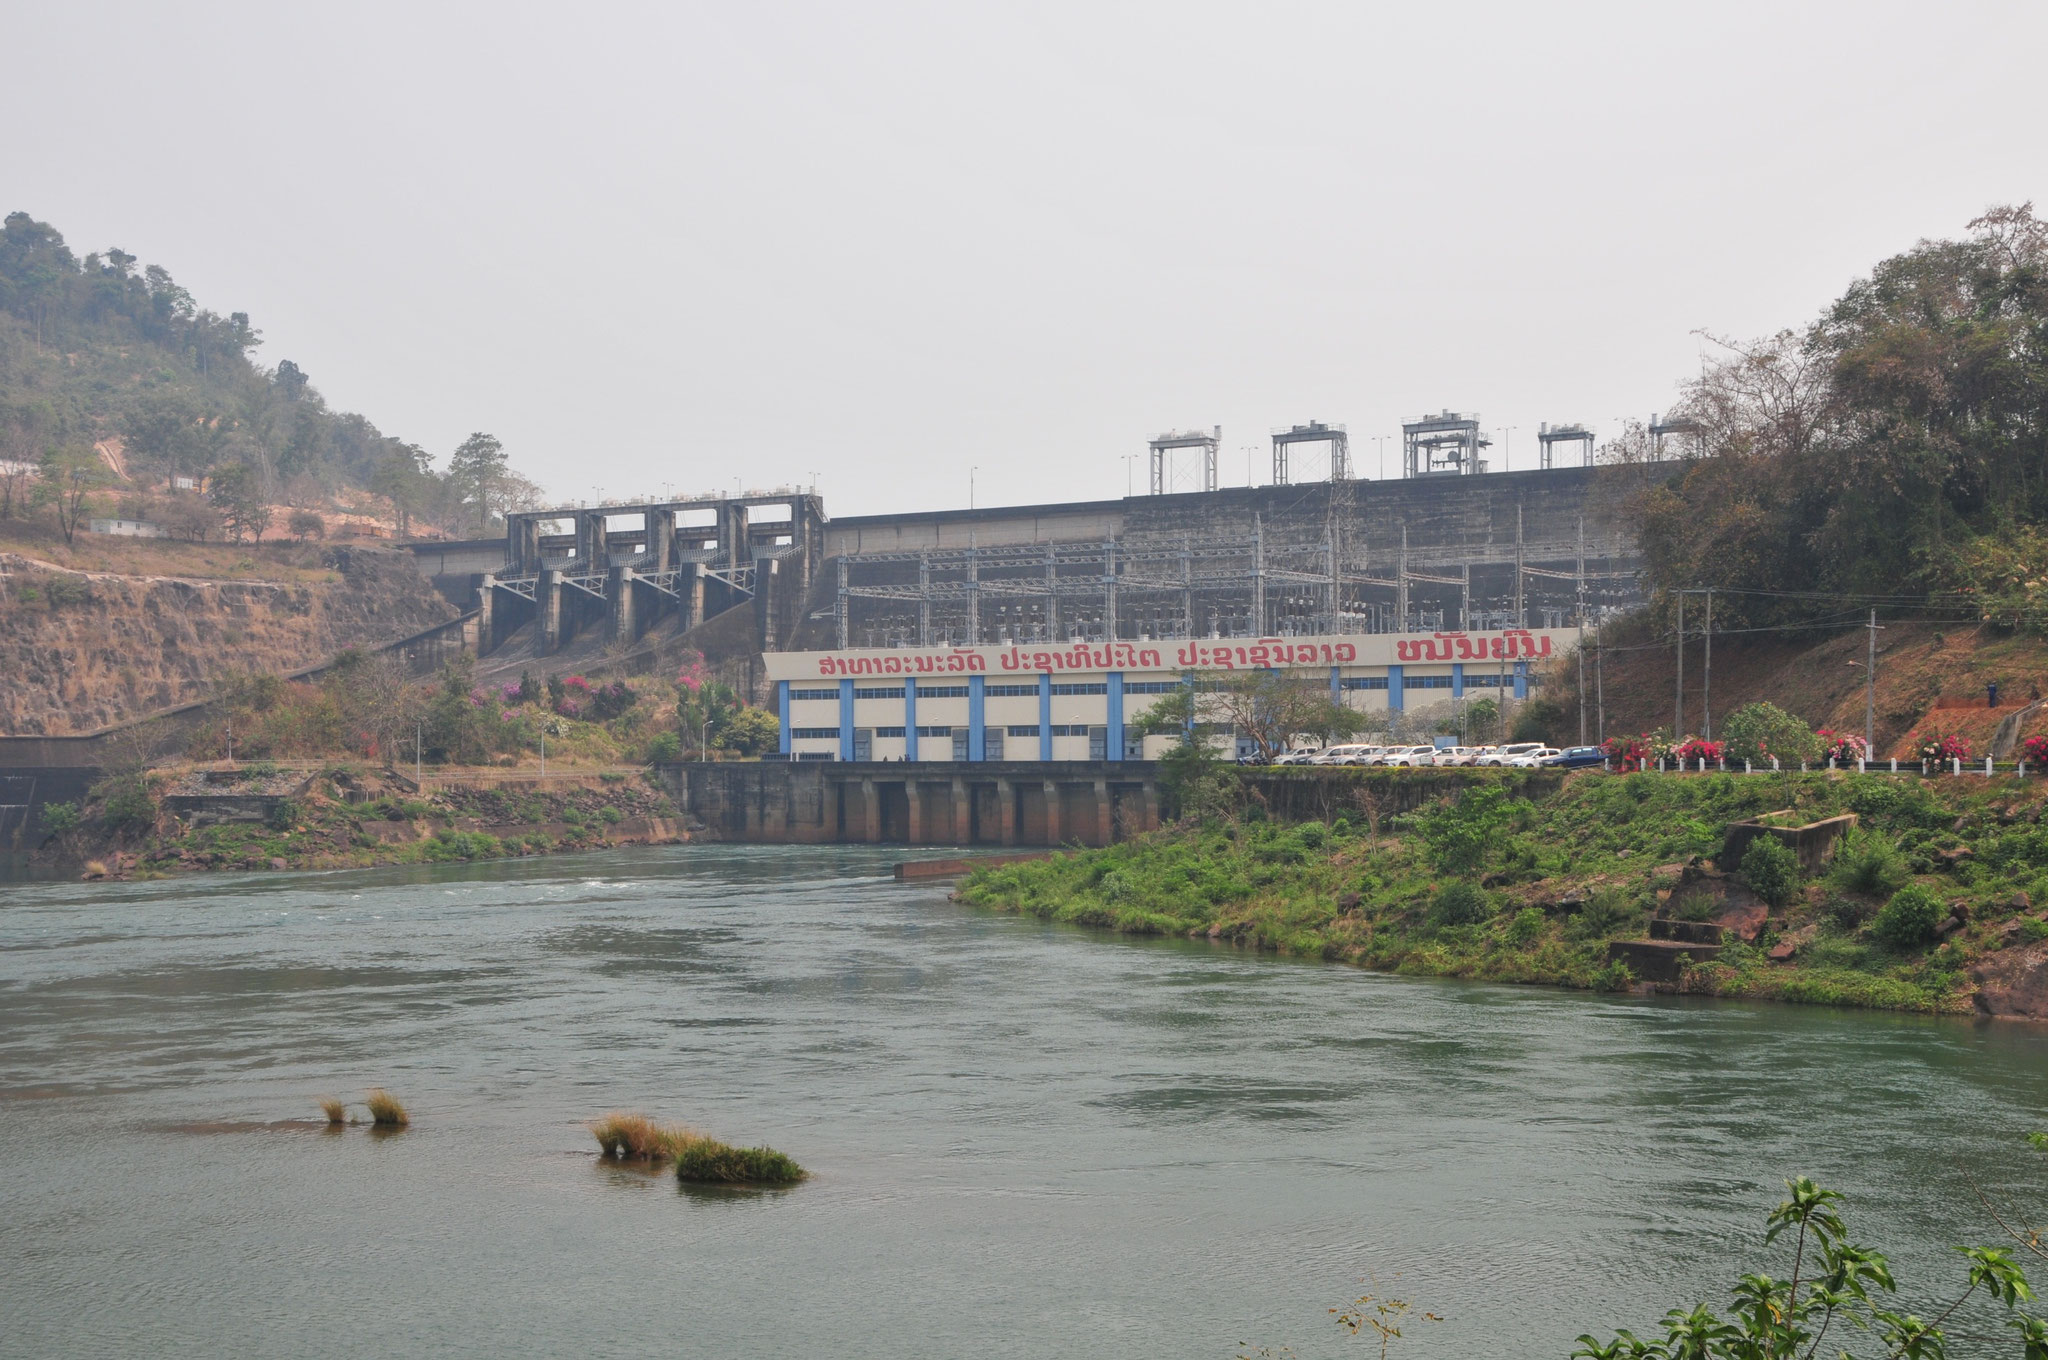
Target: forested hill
(1890, 454)
(103, 350)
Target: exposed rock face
(2014, 982)
(103, 648)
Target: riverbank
(264, 817)
(1606, 881)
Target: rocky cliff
(80, 650)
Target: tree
(28, 430)
(1268, 708)
(305, 524)
(168, 435)
(235, 492)
(403, 475)
(1757, 732)
(478, 471)
(71, 474)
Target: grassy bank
(1485, 884)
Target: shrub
(1868, 863)
(284, 814)
(127, 801)
(666, 747)
(1460, 833)
(1458, 903)
(1771, 869)
(610, 816)
(2033, 929)
(1608, 912)
(1851, 912)
(335, 1110)
(1909, 919)
(1756, 732)
(1526, 926)
(60, 818)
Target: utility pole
(1707, 684)
(1870, 690)
(1581, 584)
(418, 728)
(1678, 704)
(1600, 678)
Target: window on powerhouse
(1152, 686)
(1008, 691)
(1425, 682)
(813, 733)
(1056, 729)
(1364, 682)
(890, 692)
(945, 691)
(1080, 689)
(935, 731)
(814, 694)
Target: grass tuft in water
(698, 1157)
(385, 1109)
(335, 1110)
(708, 1161)
(630, 1136)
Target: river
(1027, 1140)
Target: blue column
(846, 720)
(1113, 744)
(1045, 716)
(782, 711)
(977, 735)
(909, 717)
(1457, 679)
(1336, 684)
(1521, 679)
(1396, 701)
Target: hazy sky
(686, 247)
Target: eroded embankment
(348, 817)
(84, 650)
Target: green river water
(1027, 1140)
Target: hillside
(107, 629)
(115, 363)
(1929, 676)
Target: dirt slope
(81, 649)
(1929, 676)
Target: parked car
(1501, 755)
(1406, 757)
(1365, 755)
(1575, 757)
(1454, 755)
(1529, 760)
(1337, 755)
(1305, 756)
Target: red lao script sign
(1513, 644)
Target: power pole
(1870, 690)
(1600, 677)
(1581, 583)
(1707, 684)
(1678, 703)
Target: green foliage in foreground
(1582, 860)
(1836, 1288)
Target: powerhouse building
(1077, 701)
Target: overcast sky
(682, 247)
